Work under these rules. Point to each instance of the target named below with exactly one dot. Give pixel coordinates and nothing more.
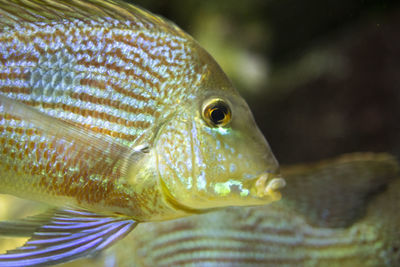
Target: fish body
(105, 76)
(108, 111)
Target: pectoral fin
(87, 143)
(336, 193)
(65, 236)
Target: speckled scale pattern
(54, 165)
(106, 66)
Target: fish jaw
(260, 190)
(264, 190)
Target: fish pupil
(218, 114)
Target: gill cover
(203, 165)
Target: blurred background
(322, 77)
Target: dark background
(322, 77)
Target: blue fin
(68, 235)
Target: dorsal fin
(20, 12)
(336, 193)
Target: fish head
(211, 153)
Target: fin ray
(24, 227)
(18, 12)
(88, 142)
(53, 243)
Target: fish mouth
(268, 186)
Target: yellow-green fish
(340, 212)
(116, 116)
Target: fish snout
(268, 186)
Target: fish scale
(108, 111)
(102, 75)
(79, 70)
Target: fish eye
(216, 112)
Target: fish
(115, 116)
(336, 212)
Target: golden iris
(216, 112)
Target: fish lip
(268, 185)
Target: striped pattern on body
(105, 66)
